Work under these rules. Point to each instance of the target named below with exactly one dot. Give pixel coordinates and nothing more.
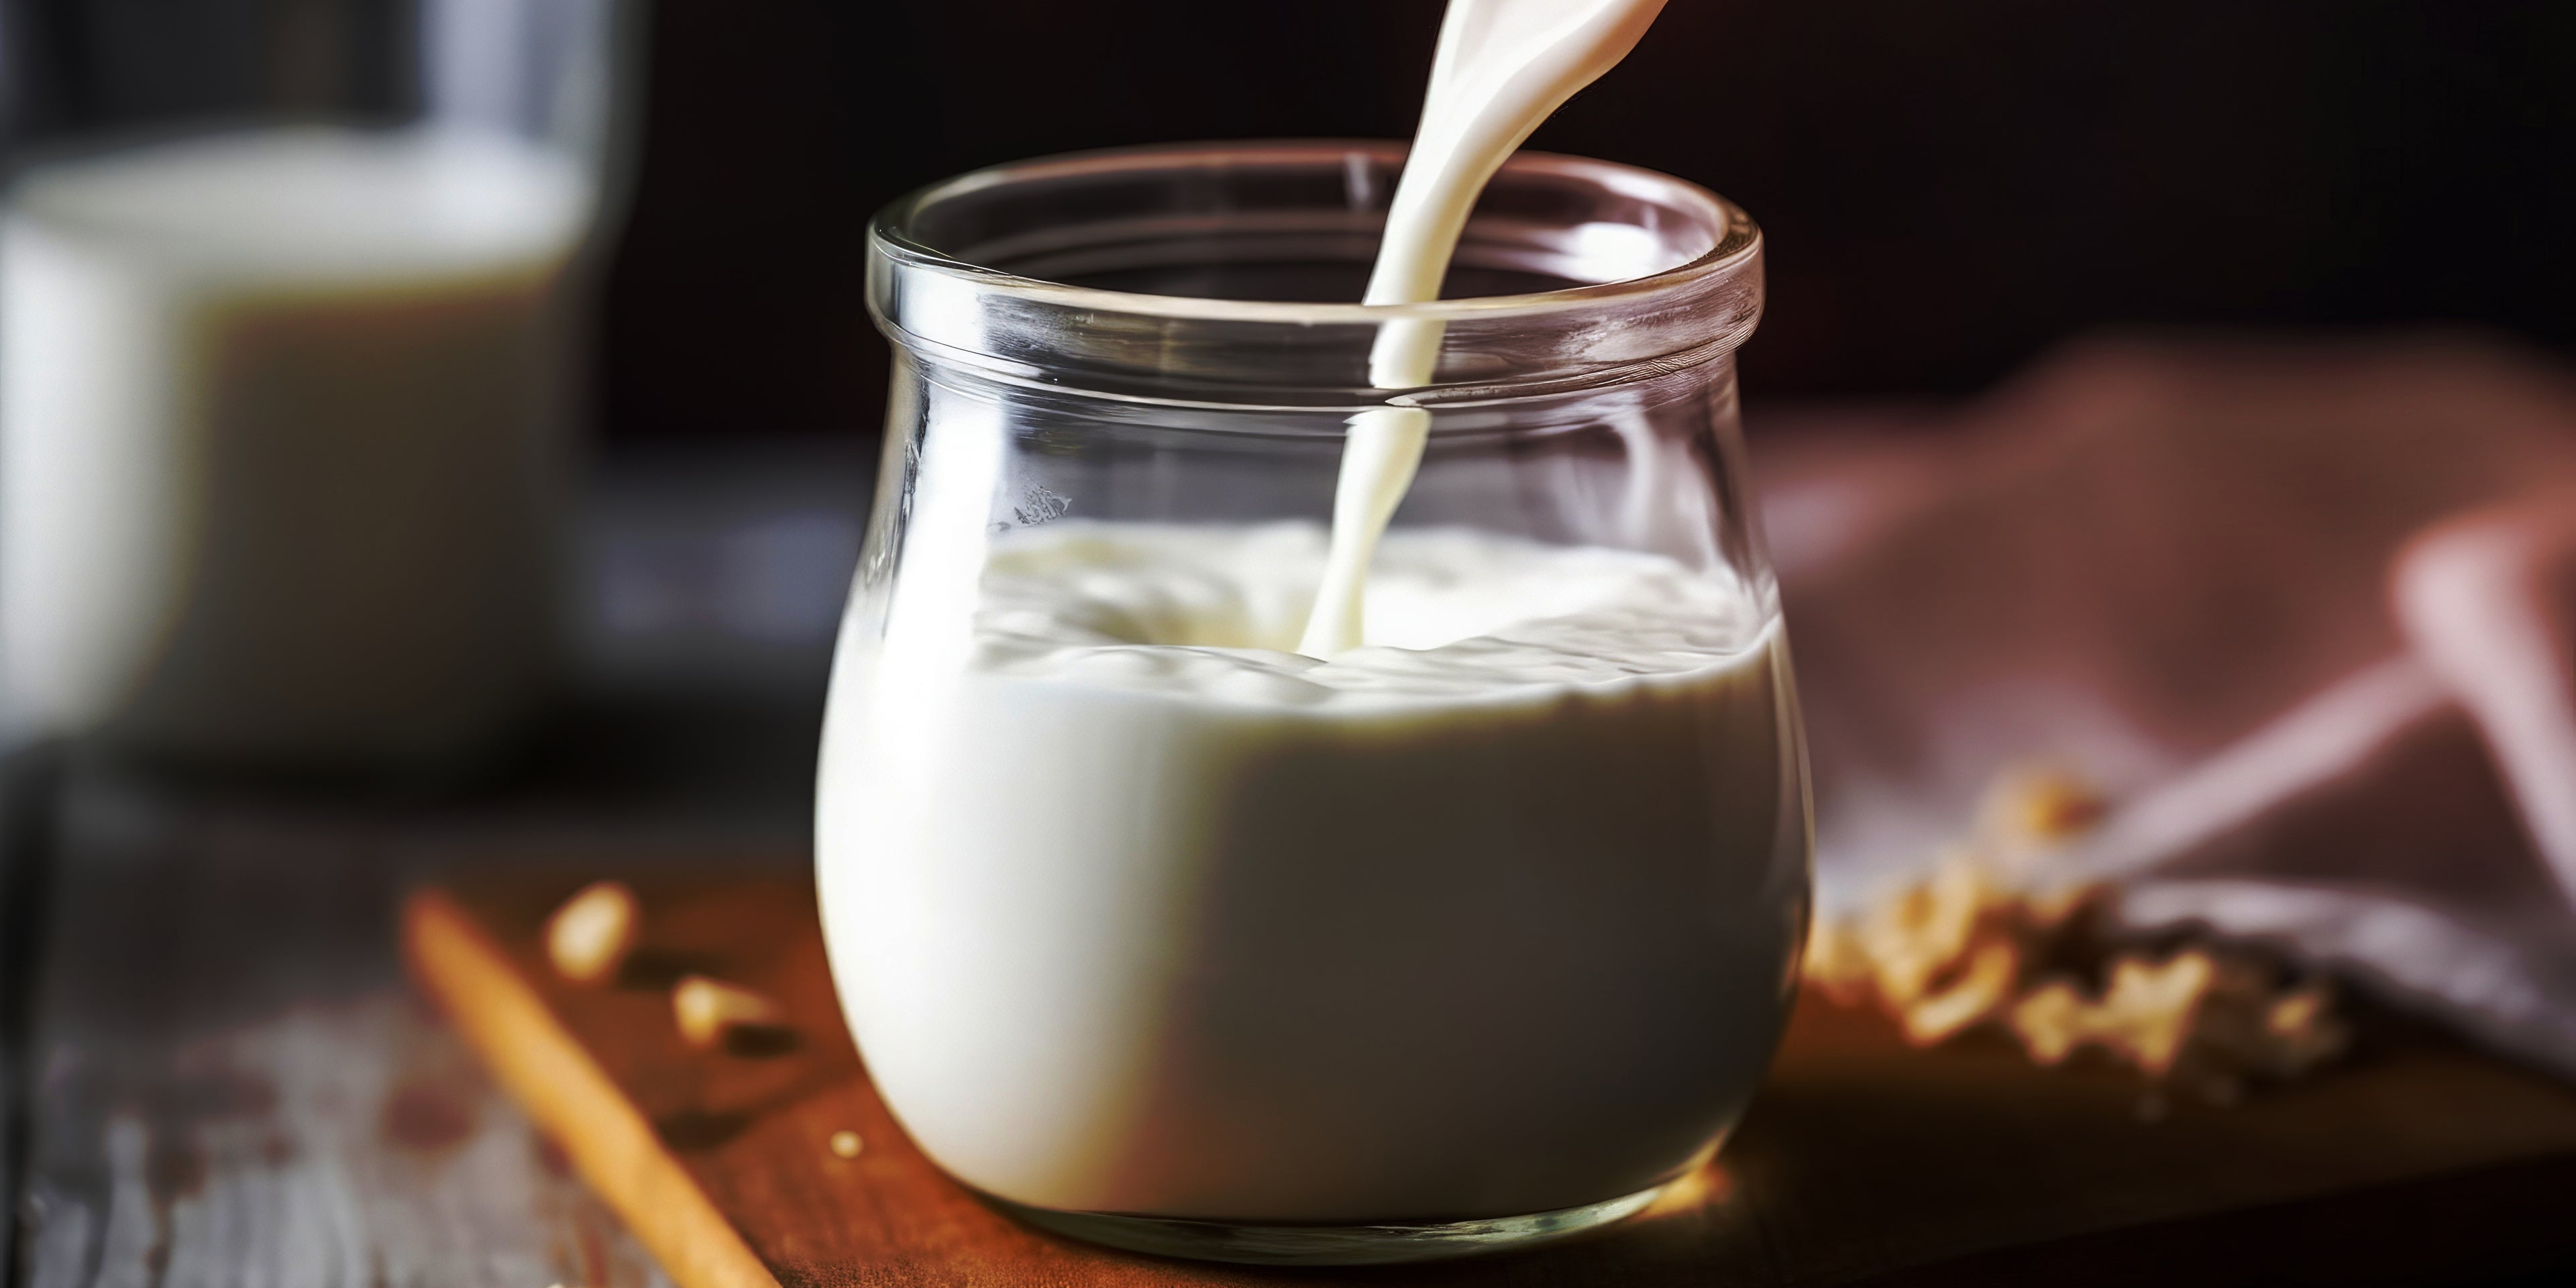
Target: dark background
(1947, 188)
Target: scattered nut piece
(846, 1144)
(2149, 1008)
(2143, 1018)
(1913, 937)
(2201, 1016)
(1982, 989)
(1987, 939)
(2050, 1020)
(709, 1009)
(589, 936)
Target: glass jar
(290, 335)
(1159, 933)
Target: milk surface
(1135, 909)
(278, 417)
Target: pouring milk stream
(1502, 68)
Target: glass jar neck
(1222, 274)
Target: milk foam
(1133, 909)
(1213, 612)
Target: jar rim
(890, 235)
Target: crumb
(2049, 1020)
(708, 1009)
(1988, 939)
(1914, 936)
(2148, 1010)
(846, 1144)
(1985, 986)
(589, 937)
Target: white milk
(277, 426)
(1133, 909)
(1501, 68)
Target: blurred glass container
(290, 294)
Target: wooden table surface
(1863, 1161)
(232, 1084)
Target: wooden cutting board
(1862, 1161)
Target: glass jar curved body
(1160, 934)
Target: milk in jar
(1133, 909)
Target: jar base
(1327, 1245)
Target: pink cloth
(2308, 611)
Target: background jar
(290, 298)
